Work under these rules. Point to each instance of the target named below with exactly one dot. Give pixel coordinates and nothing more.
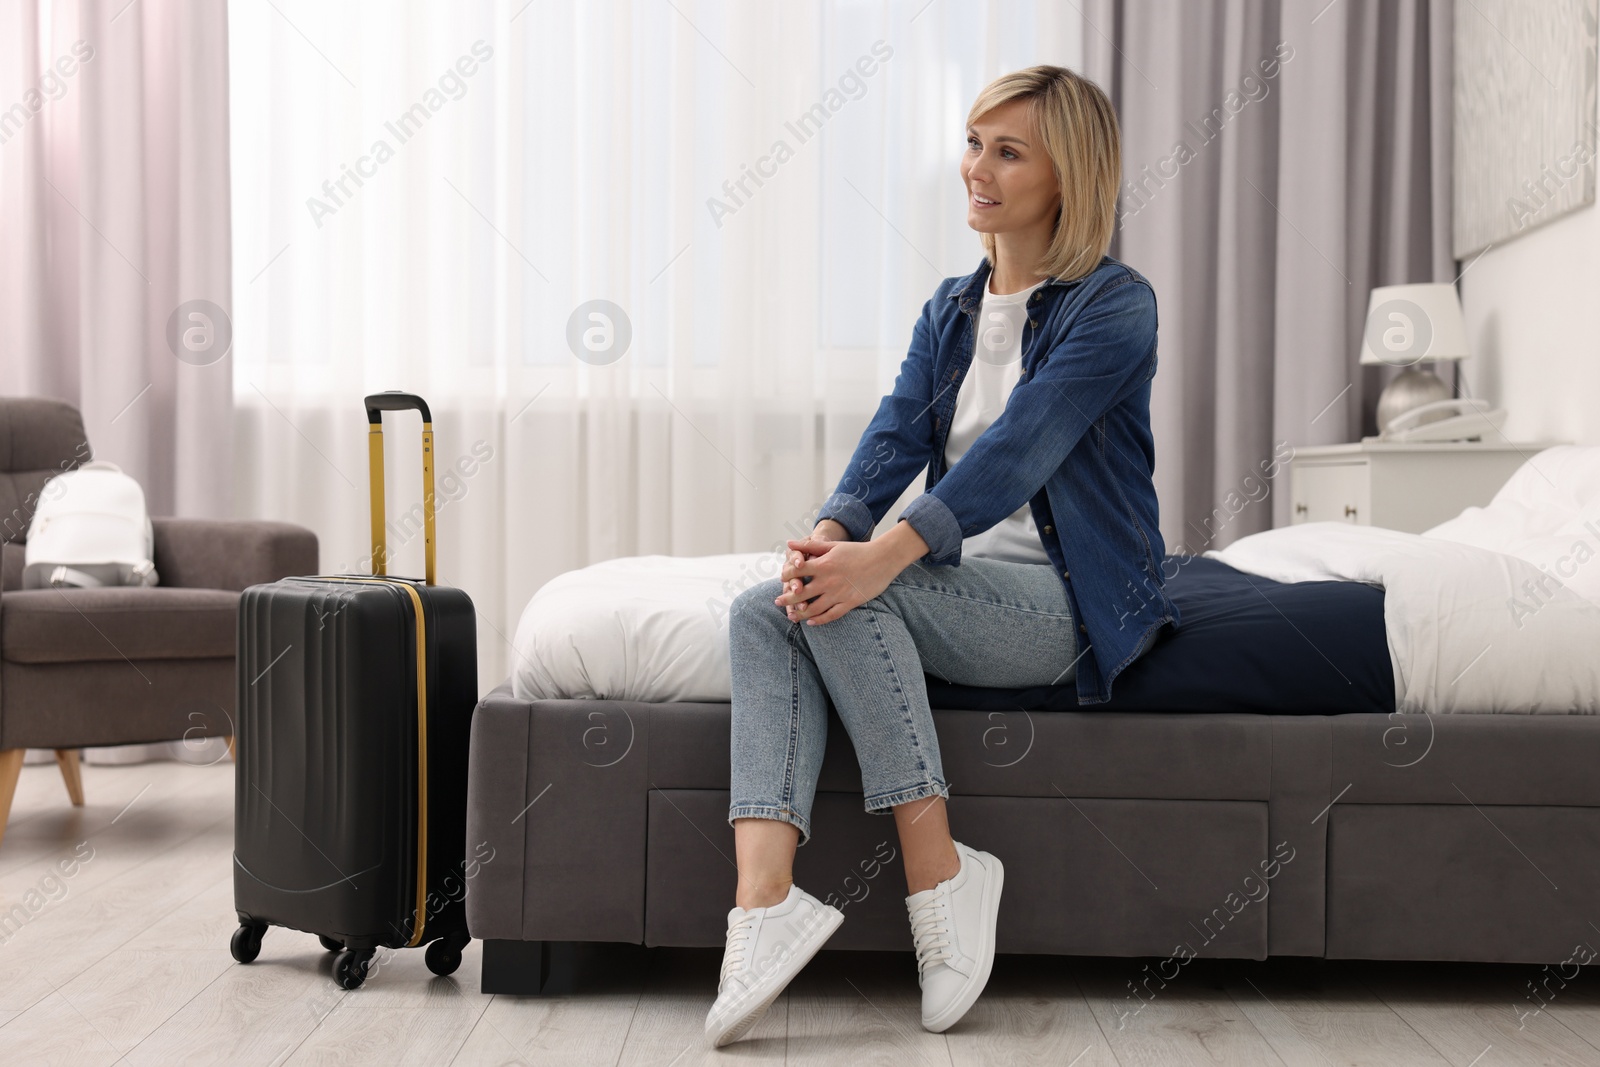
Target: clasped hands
(842, 575)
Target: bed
(1321, 762)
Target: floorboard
(126, 960)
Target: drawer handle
(1300, 509)
(1349, 511)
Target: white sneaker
(766, 948)
(953, 927)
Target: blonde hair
(1079, 129)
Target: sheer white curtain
(430, 197)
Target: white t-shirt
(995, 370)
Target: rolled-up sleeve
(849, 512)
(933, 520)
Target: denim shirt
(1073, 443)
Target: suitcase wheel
(350, 967)
(444, 955)
(330, 944)
(246, 944)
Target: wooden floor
(126, 960)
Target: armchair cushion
(133, 623)
(222, 554)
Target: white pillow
(1547, 513)
(646, 628)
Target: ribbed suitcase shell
(326, 811)
(355, 703)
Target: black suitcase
(355, 702)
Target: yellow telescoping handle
(376, 405)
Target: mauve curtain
(114, 215)
(1280, 158)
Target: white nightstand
(1400, 486)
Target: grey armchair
(114, 666)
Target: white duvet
(649, 628)
(1496, 610)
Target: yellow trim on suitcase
(427, 501)
(380, 551)
(422, 768)
(380, 559)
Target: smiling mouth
(983, 201)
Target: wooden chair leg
(10, 771)
(232, 751)
(67, 759)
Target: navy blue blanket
(1246, 643)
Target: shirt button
(1033, 324)
(1049, 529)
(1083, 628)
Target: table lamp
(1407, 325)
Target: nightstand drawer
(1410, 486)
(1332, 492)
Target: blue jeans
(987, 622)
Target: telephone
(1468, 418)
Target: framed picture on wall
(1524, 127)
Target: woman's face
(1006, 163)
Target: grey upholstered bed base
(1222, 835)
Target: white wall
(1532, 307)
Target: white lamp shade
(1408, 324)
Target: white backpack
(90, 529)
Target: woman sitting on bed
(1032, 558)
